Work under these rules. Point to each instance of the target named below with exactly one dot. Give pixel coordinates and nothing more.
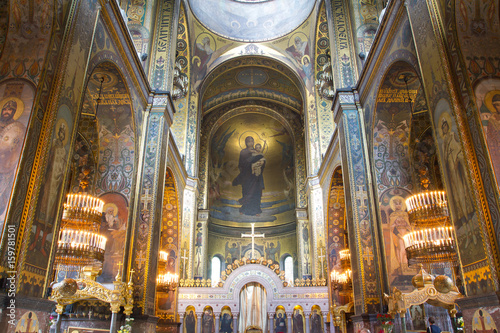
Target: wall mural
(298, 320)
(190, 320)
(280, 320)
(114, 227)
(252, 172)
(226, 321)
(455, 171)
(488, 100)
(392, 166)
(336, 223)
(16, 100)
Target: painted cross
(368, 255)
(252, 235)
(184, 263)
(321, 258)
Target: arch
(336, 225)
(394, 109)
(169, 242)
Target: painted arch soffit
(252, 78)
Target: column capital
(217, 314)
(344, 99)
(270, 315)
(181, 315)
(289, 314)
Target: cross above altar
(252, 235)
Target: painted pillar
(161, 62)
(147, 208)
(201, 245)
(474, 214)
(343, 54)
(217, 320)
(198, 322)
(304, 245)
(188, 223)
(317, 227)
(363, 240)
(289, 326)
(235, 322)
(308, 318)
(270, 316)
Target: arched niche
(337, 228)
(169, 243)
(391, 160)
(107, 109)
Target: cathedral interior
(249, 166)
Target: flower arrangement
(52, 320)
(127, 328)
(386, 322)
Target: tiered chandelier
(343, 281)
(80, 243)
(166, 281)
(431, 240)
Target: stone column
(304, 245)
(317, 227)
(289, 326)
(217, 321)
(363, 237)
(332, 323)
(188, 223)
(308, 319)
(235, 322)
(198, 322)
(270, 322)
(201, 245)
(150, 183)
(325, 321)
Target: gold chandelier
(79, 242)
(166, 281)
(431, 240)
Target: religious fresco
(455, 174)
(488, 101)
(252, 82)
(316, 320)
(15, 112)
(114, 228)
(298, 320)
(252, 21)
(471, 245)
(392, 165)
(52, 185)
(24, 45)
(83, 165)
(226, 321)
(337, 232)
(207, 320)
(116, 130)
(280, 320)
(252, 172)
(169, 242)
(190, 320)
(483, 322)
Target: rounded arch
(239, 55)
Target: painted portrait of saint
(52, 184)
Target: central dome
(251, 20)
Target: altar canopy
(253, 307)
